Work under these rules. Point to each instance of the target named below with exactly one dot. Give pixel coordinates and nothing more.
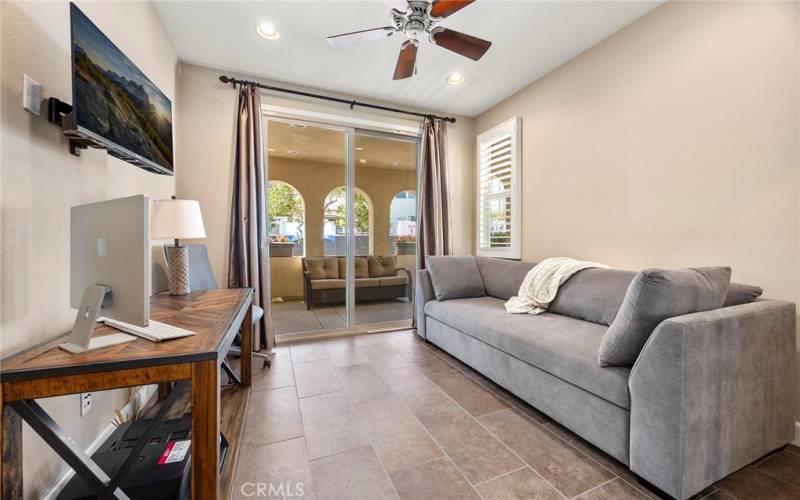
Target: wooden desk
(45, 371)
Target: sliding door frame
(348, 127)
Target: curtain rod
(351, 102)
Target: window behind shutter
(498, 181)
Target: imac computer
(109, 269)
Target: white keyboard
(155, 332)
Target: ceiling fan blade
(444, 8)
(356, 37)
(406, 61)
(401, 5)
(461, 43)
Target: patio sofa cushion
(562, 346)
(382, 265)
(455, 277)
(322, 267)
(340, 283)
(392, 280)
(656, 295)
(362, 268)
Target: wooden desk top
(209, 313)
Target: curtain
(433, 232)
(248, 251)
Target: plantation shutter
(498, 188)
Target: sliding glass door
(342, 210)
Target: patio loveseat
(376, 278)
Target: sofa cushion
(382, 265)
(327, 284)
(362, 268)
(322, 267)
(594, 294)
(656, 295)
(455, 277)
(365, 282)
(501, 277)
(562, 346)
(340, 283)
(392, 280)
(742, 294)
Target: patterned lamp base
(178, 265)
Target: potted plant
(406, 245)
(280, 246)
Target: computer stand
(81, 338)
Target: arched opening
(335, 223)
(286, 220)
(403, 223)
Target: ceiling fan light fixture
(454, 78)
(268, 31)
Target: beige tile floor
(291, 316)
(389, 416)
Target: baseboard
(796, 440)
(144, 394)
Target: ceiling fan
(414, 18)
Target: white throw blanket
(540, 285)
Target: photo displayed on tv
(113, 99)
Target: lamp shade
(176, 219)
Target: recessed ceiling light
(291, 151)
(454, 79)
(271, 150)
(395, 163)
(359, 148)
(298, 125)
(362, 160)
(267, 31)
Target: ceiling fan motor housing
(416, 20)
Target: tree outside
(335, 210)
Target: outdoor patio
(292, 317)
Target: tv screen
(114, 102)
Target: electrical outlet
(86, 402)
(31, 95)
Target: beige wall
(41, 181)
(672, 143)
(204, 146)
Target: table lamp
(177, 219)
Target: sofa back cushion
(362, 268)
(742, 294)
(322, 268)
(594, 294)
(502, 278)
(382, 265)
(655, 295)
(455, 277)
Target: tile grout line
(595, 487)
(774, 477)
(525, 466)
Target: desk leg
(11, 463)
(247, 348)
(205, 429)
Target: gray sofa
(709, 393)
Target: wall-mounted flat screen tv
(114, 103)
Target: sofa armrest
(712, 392)
(424, 294)
(402, 271)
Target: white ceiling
(530, 39)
